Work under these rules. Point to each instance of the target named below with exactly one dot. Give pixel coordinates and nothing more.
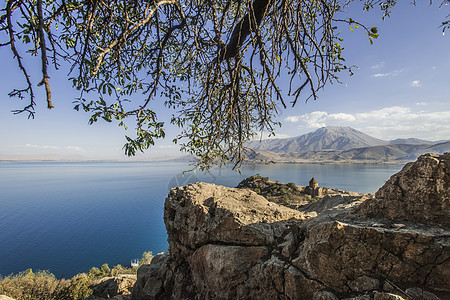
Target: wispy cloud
(265, 136)
(74, 148)
(377, 66)
(167, 147)
(387, 123)
(416, 83)
(42, 147)
(293, 119)
(389, 74)
(57, 148)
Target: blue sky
(401, 90)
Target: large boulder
(228, 243)
(419, 193)
(203, 213)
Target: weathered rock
(338, 254)
(418, 293)
(363, 284)
(420, 192)
(204, 213)
(227, 243)
(387, 296)
(324, 295)
(218, 269)
(150, 278)
(109, 287)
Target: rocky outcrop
(118, 287)
(227, 243)
(420, 193)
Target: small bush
(292, 185)
(78, 289)
(146, 258)
(95, 272)
(29, 285)
(105, 270)
(119, 269)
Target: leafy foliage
(30, 285)
(217, 64)
(44, 285)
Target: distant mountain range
(344, 144)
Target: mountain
(410, 141)
(440, 147)
(399, 153)
(325, 138)
(344, 144)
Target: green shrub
(43, 285)
(146, 258)
(119, 269)
(78, 289)
(105, 270)
(95, 272)
(292, 185)
(29, 285)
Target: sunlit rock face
(229, 243)
(419, 193)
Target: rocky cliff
(228, 243)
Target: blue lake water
(68, 217)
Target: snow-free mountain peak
(325, 138)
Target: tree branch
(45, 78)
(249, 23)
(128, 32)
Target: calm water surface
(68, 217)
